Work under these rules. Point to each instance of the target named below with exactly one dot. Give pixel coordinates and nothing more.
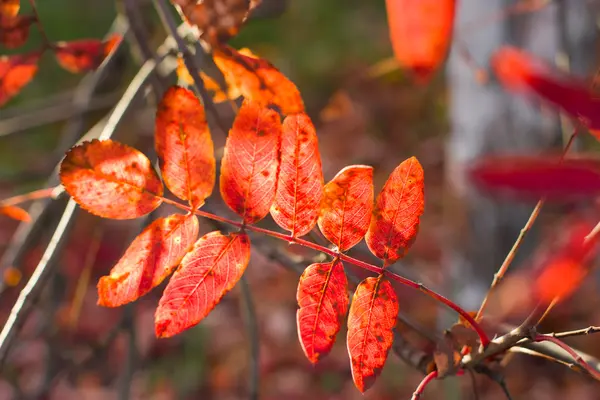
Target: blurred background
(366, 111)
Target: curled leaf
(371, 319)
(206, 274)
(150, 258)
(111, 180)
(534, 176)
(300, 184)
(347, 206)
(420, 32)
(398, 207)
(84, 55)
(323, 303)
(14, 31)
(217, 20)
(16, 72)
(184, 146)
(521, 72)
(251, 162)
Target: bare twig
(249, 313)
(576, 356)
(426, 381)
(129, 368)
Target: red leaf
(371, 319)
(84, 55)
(150, 258)
(14, 31)
(395, 222)
(539, 175)
(207, 273)
(258, 80)
(111, 180)
(9, 8)
(521, 72)
(16, 213)
(16, 72)
(217, 20)
(184, 146)
(347, 206)
(300, 185)
(251, 162)
(563, 263)
(420, 32)
(323, 303)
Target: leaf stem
(35, 195)
(47, 42)
(483, 337)
(421, 388)
(578, 359)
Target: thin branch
(47, 42)
(421, 388)
(124, 391)
(35, 195)
(576, 357)
(249, 313)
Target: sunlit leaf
(14, 31)
(521, 72)
(83, 55)
(251, 162)
(300, 185)
(16, 72)
(347, 206)
(371, 319)
(206, 274)
(111, 180)
(184, 146)
(15, 212)
(150, 258)
(421, 32)
(395, 221)
(255, 79)
(534, 176)
(323, 303)
(9, 8)
(563, 262)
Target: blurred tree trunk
(486, 120)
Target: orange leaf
(217, 20)
(251, 162)
(323, 303)
(111, 180)
(207, 273)
(14, 31)
(184, 146)
(9, 8)
(561, 265)
(84, 55)
(16, 72)
(521, 72)
(150, 258)
(395, 222)
(539, 175)
(15, 212)
(300, 185)
(420, 32)
(257, 80)
(347, 206)
(210, 85)
(371, 319)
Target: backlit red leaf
(563, 263)
(111, 180)
(420, 32)
(84, 55)
(539, 175)
(521, 72)
(300, 185)
(347, 206)
(15, 212)
(184, 146)
(323, 303)
(257, 80)
(16, 72)
(150, 258)
(206, 274)
(371, 319)
(395, 222)
(251, 162)
(14, 31)
(9, 8)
